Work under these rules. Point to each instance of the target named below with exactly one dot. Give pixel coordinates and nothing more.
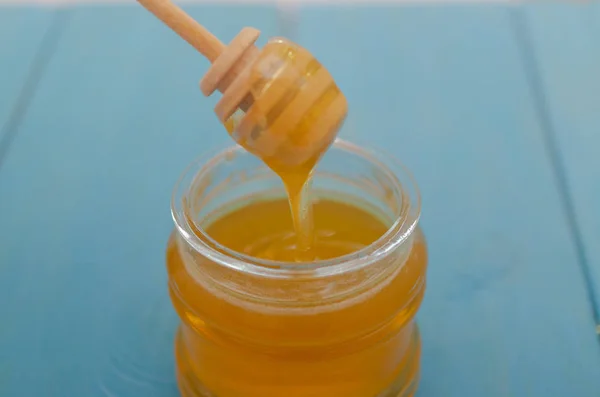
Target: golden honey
(296, 112)
(256, 321)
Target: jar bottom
(405, 385)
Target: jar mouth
(400, 230)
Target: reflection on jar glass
(255, 323)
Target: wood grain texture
(565, 55)
(84, 207)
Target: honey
(296, 114)
(256, 322)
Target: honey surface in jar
(359, 346)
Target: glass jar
(332, 328)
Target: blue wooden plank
(566, 59)
(118, 115)
(22, 31)
(444, 88)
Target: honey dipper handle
(186, 27)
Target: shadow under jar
(335, 327)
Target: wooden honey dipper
(293, 108)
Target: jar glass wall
(341, 327)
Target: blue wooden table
(496, 109)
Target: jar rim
(402, 227)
